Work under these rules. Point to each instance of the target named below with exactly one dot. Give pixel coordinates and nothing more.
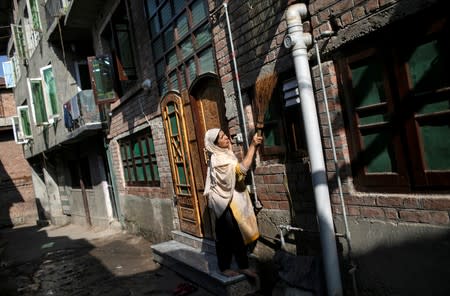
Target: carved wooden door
(172, 109)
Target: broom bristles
(264, 87)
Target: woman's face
(222, 140)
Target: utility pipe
(298, 41)
(333, 146)
(257, 203)
(336, 165)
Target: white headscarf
(221, 173)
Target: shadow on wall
(9, 195)
(417, 266)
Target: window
(49, 89)
(117, 36)
(32, 26)
(19, 41)
(283, 131)
(102, 79)
(399, 112)
(82, 75)
(181, 42)
(24, 121)
(21, 126)
(33, 11)
(8, 72)
(16, 66)
(36, 92)
(139, 159)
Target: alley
(74, 260)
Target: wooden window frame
(410, 171)
(130, 164)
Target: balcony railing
(81, 111)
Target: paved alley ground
(75, 260)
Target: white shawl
(221, 173)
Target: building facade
(150, 77)
(17, 202)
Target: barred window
(139, 159)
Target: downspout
(336, 165)
(113, 181)
(257, 203)
(298, 41)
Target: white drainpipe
(298, 41)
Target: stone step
(201, 268)
(206, 245)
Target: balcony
(82, 117)
(76, 18)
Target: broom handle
(259, 128)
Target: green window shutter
(51, 99)
(19, 42)
(37, 101)
(33, 7)
(24, 121)
(8, 72)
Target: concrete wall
(148, 211)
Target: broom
(264, 87)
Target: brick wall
(7, 104)
(17, 199)
(417, 208)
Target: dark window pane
(182, 26)
(155, 28)
(168, 38)
(173, 80)
(203, 35)
(198, 12)
(158, 49)
(367, 82)
(206, 61)
(427, 65)
(191, 69)
(178, 5)
(436, 142)
(160, 69)
(171, 59)
(151, 6)
(186, 48)
(378, 158)
(166, 14)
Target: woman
(228, 196)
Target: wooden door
(174, 118)
(207, 106)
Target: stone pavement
(76, 260)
